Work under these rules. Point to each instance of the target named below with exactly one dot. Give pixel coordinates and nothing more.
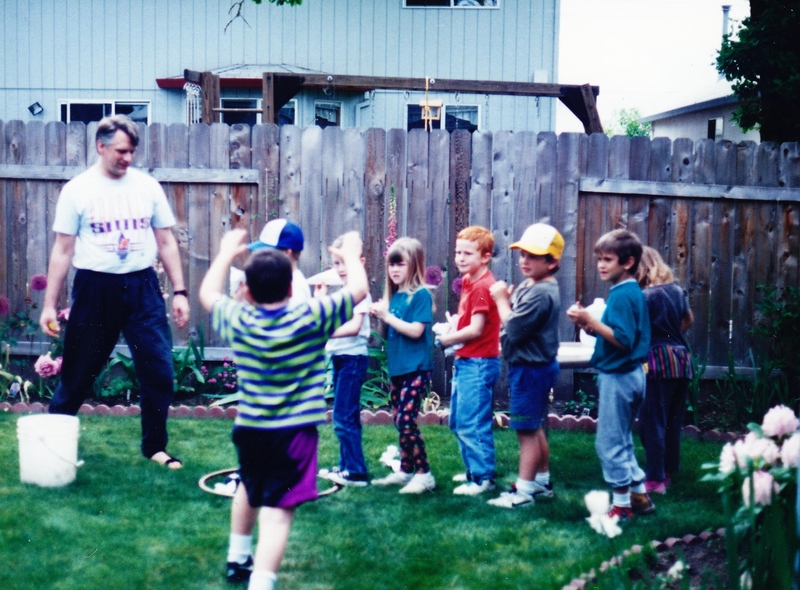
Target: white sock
(525, 486)
(543, 478)
(262, 580)
(239, 547)
(623, 500)
(638, 488)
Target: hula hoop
(203, 483)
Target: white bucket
(48, 449)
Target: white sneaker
(460, 477)
(474, 489)
(398, 478)
(512, 499)
(420, 483)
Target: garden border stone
(368, 418)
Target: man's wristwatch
(183, 292)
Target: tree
(627, 123)
(237, 5)
(763, 62)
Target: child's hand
(320, 290)
(578, 315)
(379, 309)
(500, 290)
(233, 243)
(452, 320)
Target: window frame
(453, 5)
(259, 102)
(67, 102)
(333, 103)
(442, 121)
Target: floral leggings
(407, 392)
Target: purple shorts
(278, 467)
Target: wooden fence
(724, 215)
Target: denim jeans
(349, 372)
(471, 414)
(621, 395)
(103, 305)
(660, 423)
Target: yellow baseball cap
(540, 239)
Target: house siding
(115, 49)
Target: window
(451, 3)
(286, 116)
(94, 110)
(327, 114)
(454, 117)
(715, 128)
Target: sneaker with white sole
(512, 499)
(419, 484)
(542, 491)
(474, 489)
(398, 478)
(460, 478)
(345, 478)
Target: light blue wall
(104, 49)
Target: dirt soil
(706, 561)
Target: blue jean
(349, 372)
(103, 306)
(621, 395)
(660, 423)
(471, 414)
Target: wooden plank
(335, 209)
(174, 152)
(396, 177)
(55, 155)
(460, 182)
(36, 252)
(207, 176)
(16, 208)
(744, 255)
(595, 221)
(658, 230)
(199, 199)
(525, 202)
(310, 206)
(242, 199)
(228, 146)
(597, 165)
(375, 209)
(788, 243)
(77, 145)
(480, 192)
(355, 150)
(766, 237)
(418, 190)
(291, 144)
(502, 218)
(571, 160)
(5, 217)
(680, 228)
(265, 159)
(691, 191)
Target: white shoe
(398, 478)
(512, 499)
(474, 489)
(420, 483)
(460, 477)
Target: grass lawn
(126, 523)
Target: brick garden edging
(581, 582)
(439, 417)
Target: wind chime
(431, 109)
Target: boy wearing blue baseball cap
(282, 234)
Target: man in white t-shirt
(111, 222)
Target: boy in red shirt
(477, 363)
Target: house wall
(695, 126)
(115, 49)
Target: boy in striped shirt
(280, 357)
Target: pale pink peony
(758, 450)
(727, 459)
(47, 366)
(790, 451)
(64, 314)
(780, 421)
(764, 485)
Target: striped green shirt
(280, 357)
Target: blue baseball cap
(281, 234)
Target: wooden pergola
(278, 89)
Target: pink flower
(47, 366)
(727, 459)
(790, 451)
(38, 282)
(4, 305)
(780, 421)
(758, 450)
(457, 285)
(63, 315)
(434, 276)
(764, 485)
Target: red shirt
(475, 298)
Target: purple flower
(4, 305)
(457, 285)
(38, 282)
(434, 276)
